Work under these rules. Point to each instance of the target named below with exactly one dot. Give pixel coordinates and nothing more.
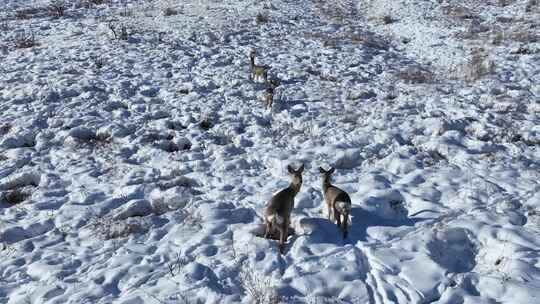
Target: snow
(137, 170)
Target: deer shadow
(324, 231)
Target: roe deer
(277, 214)
(257, 71)
(338, 201)
(269, 97)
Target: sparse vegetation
(258, 287)
(94, 140)
(5, 128)
(478, 66)
(262, 18)
(25, 40)
(107, 228)
(175, 265)
(532, 5)
(57, 8)
(206, 123)
(169, 11)
(31, 12)
(15, 196)
(416, 75)
(387, 19)
(119, 30)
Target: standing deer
(338, 201)
(270, 90)
(257, 71)
(277, 214)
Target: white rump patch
(343, 207)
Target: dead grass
(31, 12)
(258, 287)
(119, 30)
(532, 5)
(169, 11)
(457, 11)
(107, 228)
(57, 8)
(416, 75)
(5, 128)
(262, 18)
(95, 142)
(478, 66)
(25, 40)
(16, 196)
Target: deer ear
(321, 170)
(301, 169)
(332, 170)
(290, 169)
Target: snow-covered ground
(137, 170)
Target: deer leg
(268, 228)
(345, 227)
(337, 216)
(283, 237)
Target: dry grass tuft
(169, 11)
(57, 8)
(107, 228)
(478, 66)
(25, 40)
(262, 18)
(416, 75)
(16, 196)
(259, 288)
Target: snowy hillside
(136, 155)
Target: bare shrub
(497, 36)
(175, 265)
(15, 196)
(25, 40)
(532, 5)
(31, 12)
(206, 123)
(107, 228)
(504, 3)
(387, 19)
(478, 66)
(160, 206)
(57, 8)
(524, 35)
(90, 3)
(99, 62)
(262, 18)
(457, 11)
(169, 11)
(257, 287)
(119, 30)
(416, 75)
(94, 141)
(4, 26)
(96, 2)
(5, 128)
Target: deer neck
(295, 188)
(325, 185)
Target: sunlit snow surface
(137, 171)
